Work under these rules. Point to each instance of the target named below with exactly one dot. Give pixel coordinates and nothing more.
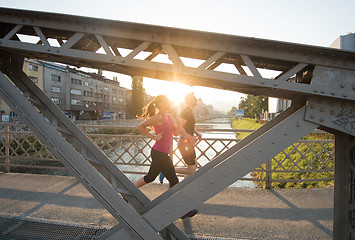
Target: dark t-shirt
(190, 120)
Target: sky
(310, 22)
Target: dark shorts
(187, 150)
(161, 162)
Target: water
(223, 123)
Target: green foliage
(244, 123)
(253, 106)
(137, 100)
(306, 159)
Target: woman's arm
(155, 120)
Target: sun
(173, 90)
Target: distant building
(345, 42)
(81, 95)
(275, 107)
(35, 71)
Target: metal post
(341, 187)
(7, 148)
(268, 174)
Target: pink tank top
(163, 145)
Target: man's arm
(182, 131)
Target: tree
(253, 106)
(231, 113)
(137, 101)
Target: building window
(88, 94)
(106, 88)
(75, 102)
(106, 97)
(76, 81)
(114, 99)
(120, 99)
(33, 67)
(114, 90)
(75, 92)
(55, 89)
(56, 100)
(88, 84)
(55, 78)
(34, 79)
(98, 95)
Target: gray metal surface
(305, 72)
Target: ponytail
(151, 108)
(148, 111)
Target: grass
(301, 157)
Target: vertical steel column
(344, 192)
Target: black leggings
(161, 162)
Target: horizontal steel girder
(79, 39)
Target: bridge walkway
(235, 213)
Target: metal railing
(303, 161)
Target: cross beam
(319, 81)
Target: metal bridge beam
(320, 81)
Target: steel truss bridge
(319, 81)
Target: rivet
(122, 61)
(58, 51)
(224, 174)
(321, 119)
(312, 106)
(112, 60)
(321, 109)
(315, 90)
(260, 151)
(166, 212)
(190, 197)
(342, 85)
(262, 82)
(331, 103)
(248, 159)
(212, 182)
(298, 124)
(272, 142)
(312, 116)
(344, 95)
(320, 100)
(275, 84)
(285, 134)
(353, 85)
(332, 112)
(322, 91)
(332, 93)
(201, 190)
(178, 205)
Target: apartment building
(81, 95)
(35, 71)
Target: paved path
(234, 213)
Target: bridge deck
(234, 213)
